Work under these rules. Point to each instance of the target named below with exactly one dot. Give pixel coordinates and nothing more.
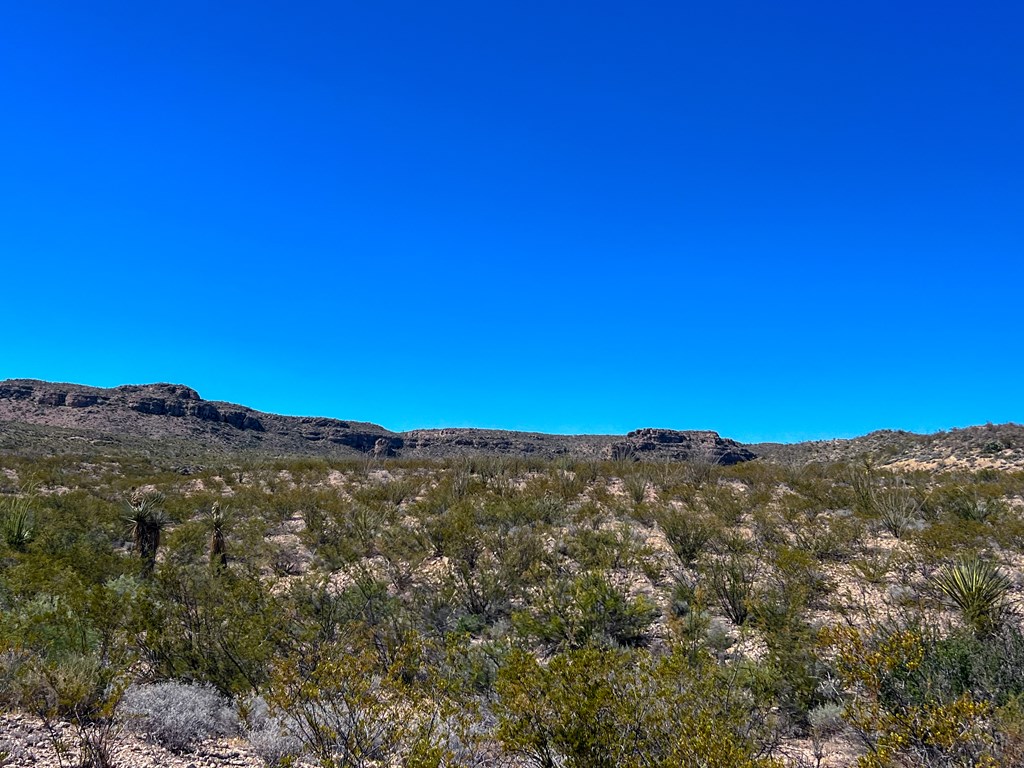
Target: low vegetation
(508, 612)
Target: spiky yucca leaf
(19, 524)
(979, 588)
(146, 519)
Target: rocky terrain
(176, 415)
(24, 742)
(989, 446)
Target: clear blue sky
(776, 220)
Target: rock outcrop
(673, 445)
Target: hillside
(173, 421)
(991, 446)
(171, 418)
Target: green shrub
(893, 709)
(731, 581)
(612, 709)
(687, 532)
(342, 704)
(587, 610)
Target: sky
(780, 221)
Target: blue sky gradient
(776, 220)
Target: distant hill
(991, 446)
(174, 420)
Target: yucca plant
(979, 589)
(218, 543)
(146, 520)
(19, 525)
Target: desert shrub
(701, 470)
(217, 628)
(337, 707)
(836, 536)
(570, 713)
(606, 548)
(74, 532)
(347, 708)
(791, 670)
(724, 503)
(487, 568)
(393, 492)
(967, 501)
(530, 507)
(82, 691)
(989, 667)
(65, 659)
(636, 486)
(881, 675)
(947, 538)
(826, 720)
(731, 581)
(178, 715)
(873, 568)
(454, 532)
(269, 736)
(565, 482)
(342, 531)
(798, 577)
(687, 532)
(612, 709)
(366, 605)
(586, 610)
(522, 560)
(897, 509)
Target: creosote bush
(596, 708)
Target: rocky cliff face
(172, 411)
(175, 412)
(671, 445)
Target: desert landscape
(186, 583)
(511, 384)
